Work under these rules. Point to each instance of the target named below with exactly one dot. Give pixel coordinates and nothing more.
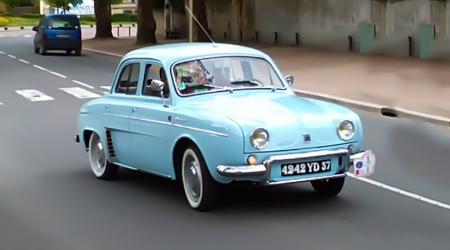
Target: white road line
(13, 57)
(103, 52)
(83, 84)
(2, 53)
(402, 192)
(106, 87)
(34, 95)
(80, 93)
(27, 36)
(24, 61)
(56, 74)
(39, 67)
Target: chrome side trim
(241, 171)
(200, 130)
(117, 116)
(150, 120)
(141, 170)
(305, 179)
(180, 126)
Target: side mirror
(289, 80)
(35, 28)
(157, 85)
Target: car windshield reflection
(225, 73)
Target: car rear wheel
(68, 52)
(200, 188)
(100, 165)
(36, 50)
(78, 52)
(328, 187)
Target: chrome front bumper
(363, 164)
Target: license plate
(302, 168)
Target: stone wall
(328, 24)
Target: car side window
(155, 72)
(128, 79)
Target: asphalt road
(50, 200)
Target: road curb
(377, 108)
(366, 106)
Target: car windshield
(224, 73)
(62, 23)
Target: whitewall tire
(201, 190)
(98, 159)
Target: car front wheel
(328, 187)
(100, 165)
(200, 188)
(42, 49)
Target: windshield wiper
(246, 82)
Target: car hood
(287, 117)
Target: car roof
(174, 52)
(62, 15)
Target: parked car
(58, 32)
(210, 114)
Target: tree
(146, 22)
(64, 4)
(199, 10)
(103, 27)
(14, 3)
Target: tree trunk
(200, 13)
(102, 9)
(146, 23)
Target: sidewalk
(416, 85)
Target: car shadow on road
(238, 197)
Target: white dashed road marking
(39, 67)
(2, 53)
(106, 87)
(34, 95)
(399, 191)
(83, 84)
(24, 61)
(56, 74)
(13, 57)
(27, 36)
(80, 93)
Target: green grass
(33, 20)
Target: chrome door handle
(133, 110)
(178, 119)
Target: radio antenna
(200, 25)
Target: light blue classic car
(209, 114)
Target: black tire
(209, 191)
(68, 52)
(98, 160)
(78, 52)
(328, 187)
(36, 50)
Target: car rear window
(63, 23)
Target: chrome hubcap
(192, 177)
(97, 156)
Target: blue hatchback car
(58, 32)
(210, 114)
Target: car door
(149, 121)
(117, 112)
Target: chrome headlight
(346, 130)
(259, 138)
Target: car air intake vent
(110, 144)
